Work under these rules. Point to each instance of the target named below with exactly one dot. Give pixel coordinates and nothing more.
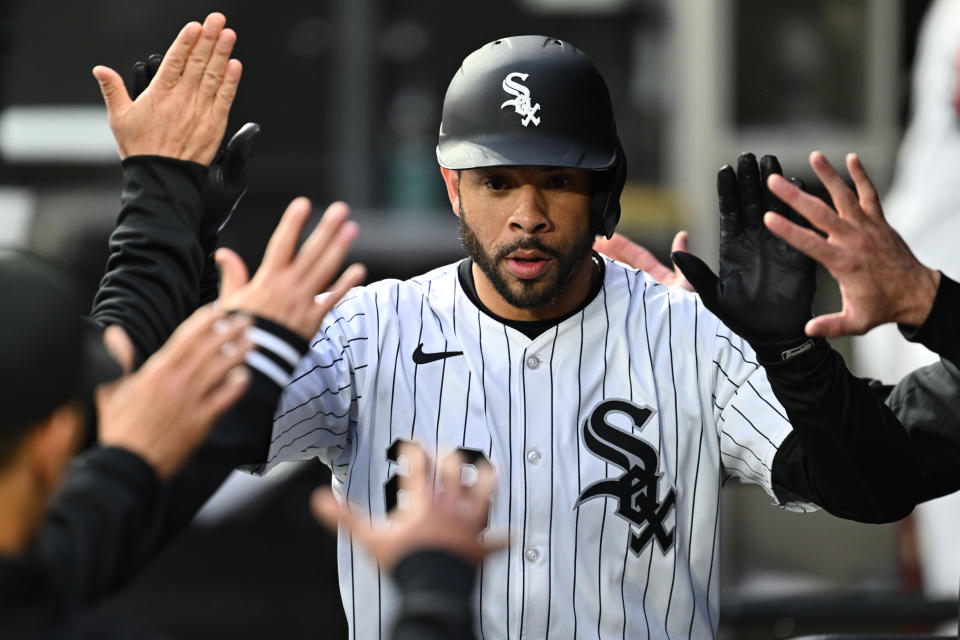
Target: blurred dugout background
(348, 94)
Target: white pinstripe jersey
(611, 435)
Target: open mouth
(527, 264)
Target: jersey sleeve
(317, 412)
(751, 423)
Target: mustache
(529, 244)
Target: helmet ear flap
(605, 204)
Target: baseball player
(611, 407)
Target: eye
(558, 181)
(495, 183)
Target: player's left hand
(765, 288)
(450, 519)
(627, 251)
(183, 111)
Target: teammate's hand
(164, 410)
(765, 289)
(183, 111)
(627, 251)
(450, 519)
(227, 178)
(880, 279)
(286, 285)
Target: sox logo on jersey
(636, 490)
(610, 433)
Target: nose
(529, 213)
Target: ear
(53, 442)
(452, 179)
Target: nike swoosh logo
(419, 357)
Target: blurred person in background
(922, 205)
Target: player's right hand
(286, 286)
(765, 288)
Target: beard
(526, 294)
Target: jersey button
(532, 554)
(533, 456)
(533, 362)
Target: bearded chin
(525, 294)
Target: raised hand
(183, 111)
(627, 251)
(765, 288)
(227, 178)
(450, 519)
(286, 285)
(164, 410)
(880, 279)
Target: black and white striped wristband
(277, 350)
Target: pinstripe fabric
(528, 405)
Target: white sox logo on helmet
(521, 103)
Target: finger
(225, 395)
(217, 352)
(169, 72)
(769, 165)
(494, 542)
(728, 197)
(217, 64)
(233, 271)
(751, 191)
(815, 210)
(227, 90)
(199, 57)
(322, 236)
(804, 240)
(283, 243)
(118, 343)
(624, 250)
(680, 242)
(238, 151)
(843, 198)
(417, 482)
(451, 468)
(323, 268)
(140, 79)
(114, 94)
(869, 200)
(830, 325)
(352, 277)
(328, 510)
(153, 64)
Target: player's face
(528, 231)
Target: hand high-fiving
(183, 111)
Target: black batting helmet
(535, 100)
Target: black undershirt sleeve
(848, 452)
(435, 588)
(152, 277)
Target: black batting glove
(765, 289)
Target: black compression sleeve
(939, 332)
(848, 452)
(436, 603)
(151, 280)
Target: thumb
(239, 149)
(830, 325)
(698, 274)
(680, 242)
(233, 271)
(111, 87)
